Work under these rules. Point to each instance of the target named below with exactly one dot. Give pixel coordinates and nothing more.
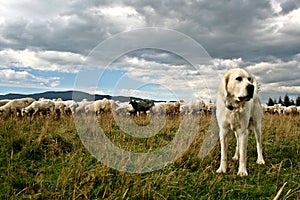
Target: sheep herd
(29, 107)
(279, 109)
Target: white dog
(239, 109)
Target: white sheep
(208, 108)
(168, 108)
(14, 107)
(268, 109)
(192, 108)
(102, 106)
(43, 106)
(81, 106)
(122, 108)
(290, 110)
(70, 106)
(89, 108)
(59, 108)
(278, 109)
(4, 101)
(158, 108)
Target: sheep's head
(23, 112)
(133, 103)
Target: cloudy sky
(166, 49)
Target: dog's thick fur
(239, 109)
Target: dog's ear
(255, 83)
(225, 83)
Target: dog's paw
(260, 161)
(222, 169)
(235, 157)
(242, 173)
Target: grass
(45, 159)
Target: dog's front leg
(243, 143)
(257, 131)
(224, 147)
(236, 154)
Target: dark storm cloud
(154, 55)
(288, 6)
(226, 29)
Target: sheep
(158, 108)
(208, 108)
(191, 108)
(122, 108)
(278, 109)
(42, 106)
(59, 108)
(103, 106)
(168, 108)
(89, 108)
(3, 102)
(268, 109)
(290, 110)
(14, 107)
(80, 108)
(141, 106)
(70, 106)
(172, 108)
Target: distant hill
(68, 95)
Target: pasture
(44, 158)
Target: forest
(287, 101)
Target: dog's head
(239, 86)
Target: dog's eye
(239, 78)
(249, 79)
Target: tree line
(287, 101)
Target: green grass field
(45, 159)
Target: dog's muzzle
(250, 93)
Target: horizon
(137, 97)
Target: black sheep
(141, 106)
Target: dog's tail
(211, 137)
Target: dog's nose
(250, 89)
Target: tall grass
(45, 159)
